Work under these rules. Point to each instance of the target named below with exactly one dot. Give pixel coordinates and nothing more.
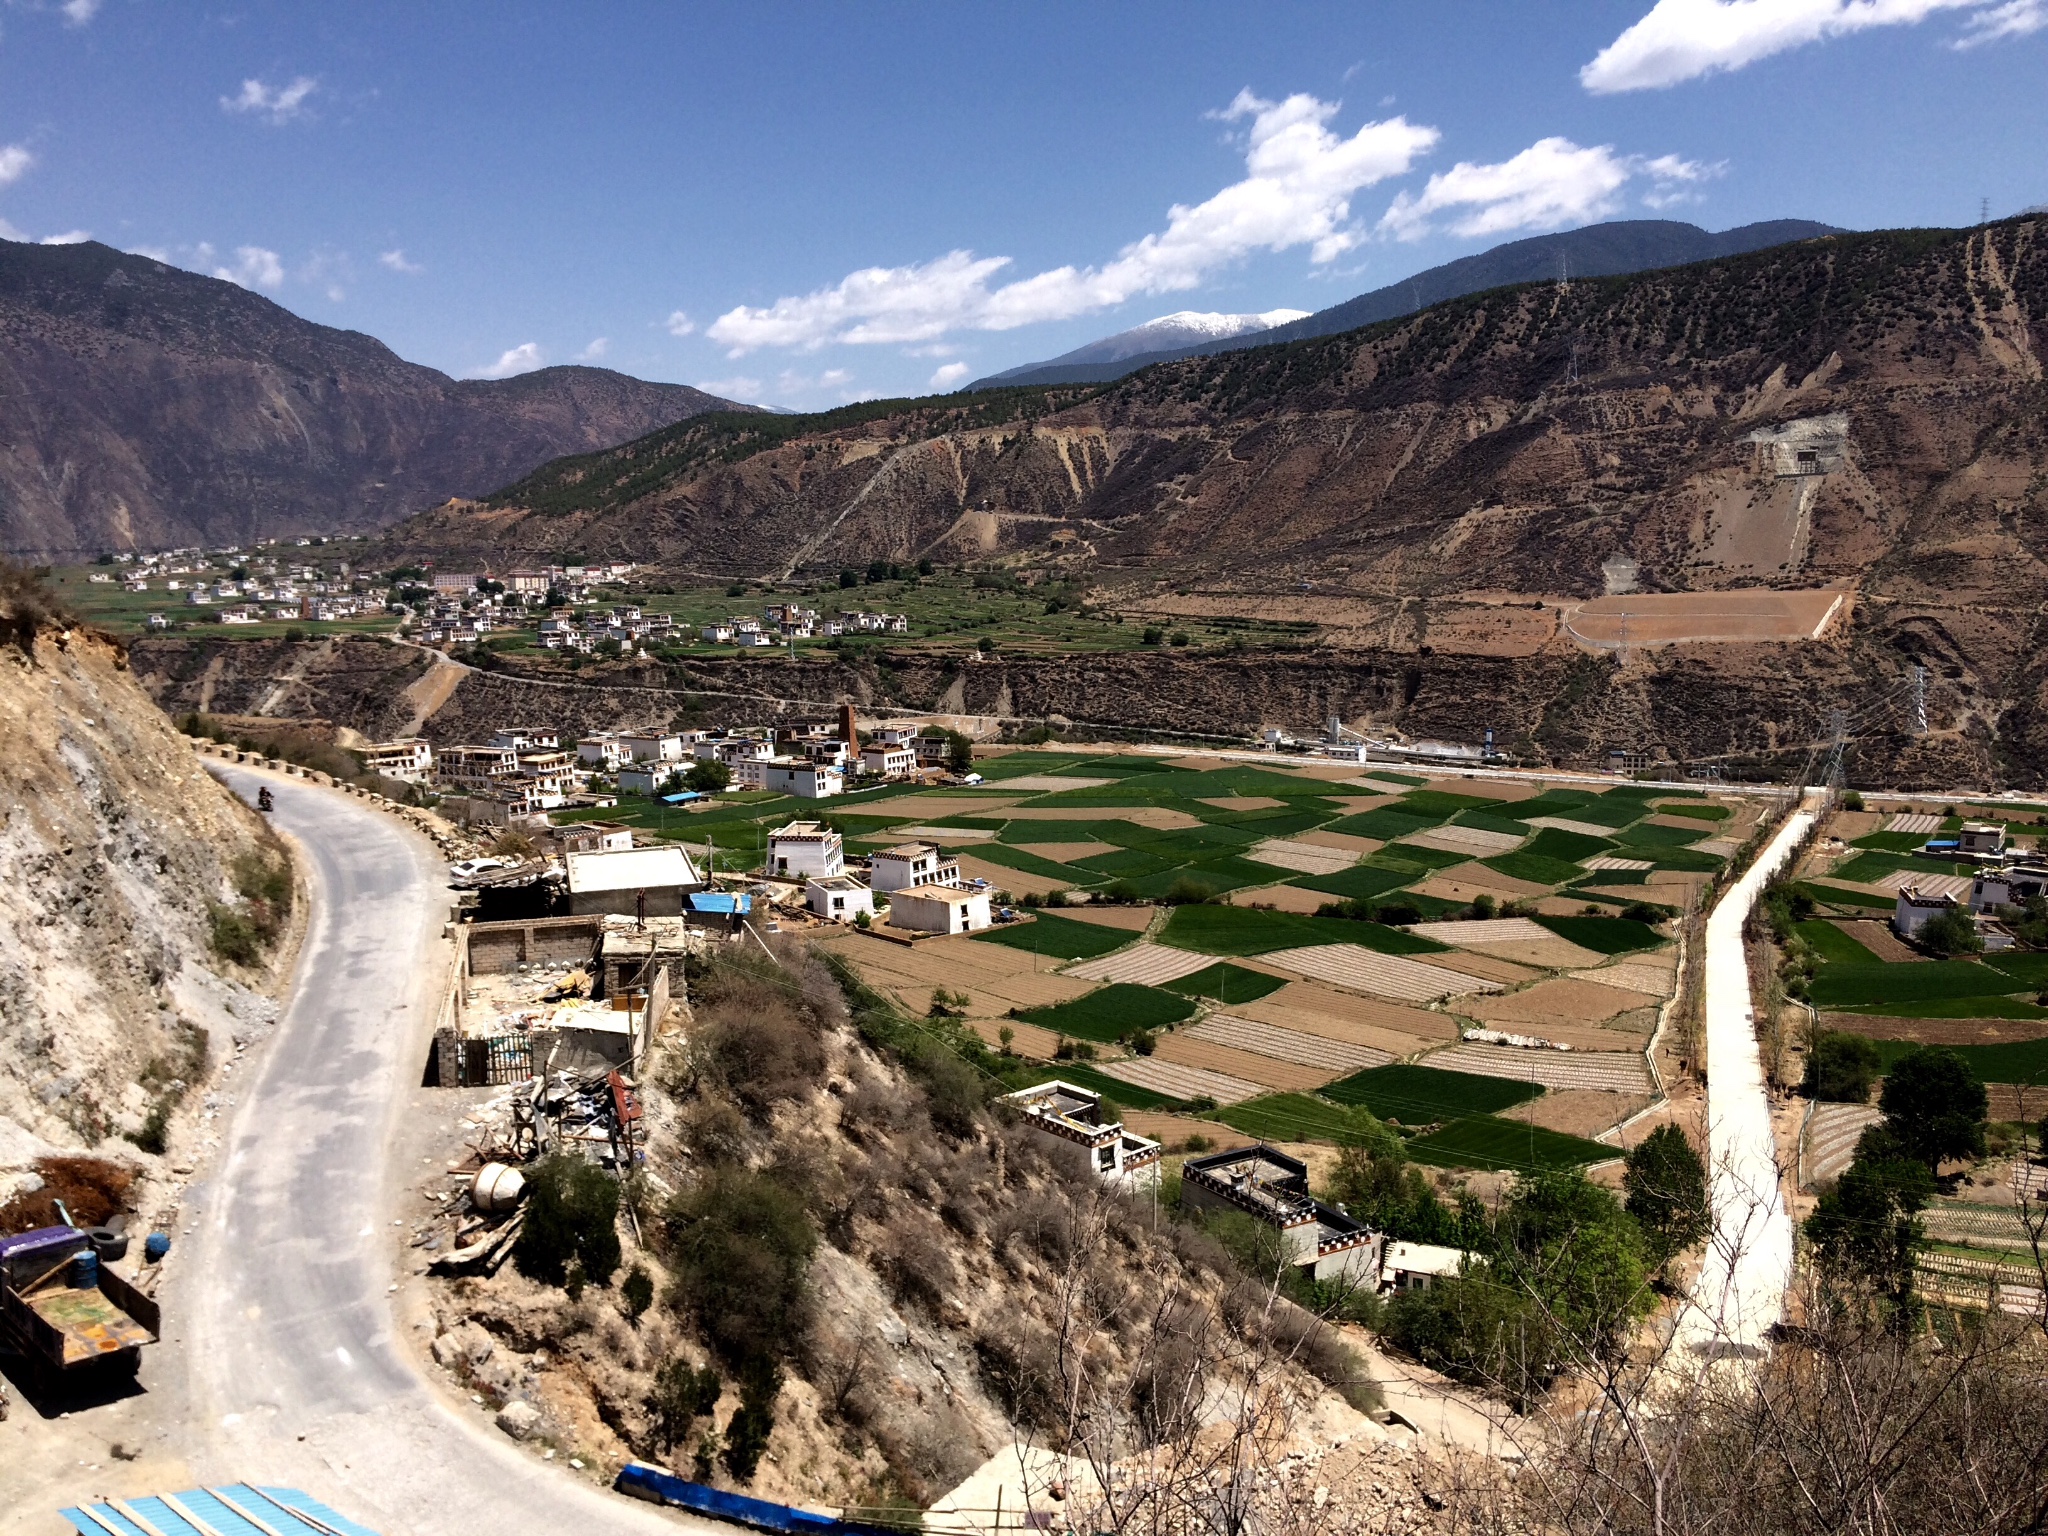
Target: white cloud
(254, 267)
(280, 104)
(949, 375)
(396, 261)
(2013, 18)
(1550, 183)
(679, 324)
(737, 388)
(1297, 191)
(1681, 40)
(598, 347)
(15, 160)
(78, 12)
(523, 358)
(69, 237)
(9, 232)
(835, 378)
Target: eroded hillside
(1517, 441)
(116, 854)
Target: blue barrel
(155, 1246)
(85, 1270)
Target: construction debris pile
(595, 1112)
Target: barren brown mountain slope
(146, 407)
(1862, 408)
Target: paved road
(1741, 1287)
(284, 1330)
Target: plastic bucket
(155, 1246)
(85, 1270)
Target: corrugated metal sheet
(240, 1510)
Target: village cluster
(465, 607)
(2004, 878)
(521, 775)
(257, 587)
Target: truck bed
(89, 1323)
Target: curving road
(1740, 1291)
(284, 1336)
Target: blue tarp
(240, 1510)
(682, 797)
(722, 902)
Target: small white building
(805, 850)
(2012, 887)
(939, 909)
(1981, 839)
(839, 898)
(1417, 1266)
(604, 752)
(911, 864)
(1915, 911)
(879, 759)
(653, 746)
(1074, 1115)
(1272, 1188)
(644, 778)
(410, 760)
(793, 776)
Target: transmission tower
(1983, 210)
(1919, 701)
(1838, 738)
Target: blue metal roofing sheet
(240, 1510)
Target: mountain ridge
(1614, 248)
(143, 406)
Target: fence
(657, 1486)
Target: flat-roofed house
(838, 898)
(1417, 1266)
(939, 909)
(1272, 1188)
(617, 880)
(1915, 910)
(653, 746)
(909, 864)
(806, 850)
(1981, 839)
(410, 759)
(879, 759)
(1074, 1116)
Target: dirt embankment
(116, 850)
(1692, 703)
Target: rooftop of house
(1064, 1100)
(630, 869)
(835, 883)
(1913, 896)
(907, 851)
(932, 890)
(1423, 1259)
(803, 831)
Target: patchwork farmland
(1252, 942)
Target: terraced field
(1358, 888)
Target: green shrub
(1666, 1187)
(233, 936)
(572, 1212)
(681, 1396)
(746, 1433)
(1840, 1068)
(739, 1245)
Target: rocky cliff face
(146, 407)
(114, 845)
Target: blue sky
(806, 204)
